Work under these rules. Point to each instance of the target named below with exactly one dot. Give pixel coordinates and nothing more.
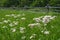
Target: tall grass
(8, 32)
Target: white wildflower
(34, 24)
(32, 36)
(7, 15)
(11, 24)
(37, 19)
(23, 14)
(37, 24)
(4, 27)
(45, 20)
(23, 18)
(2, 18)
(13, 15)
(6, 21)
(22, 29)
(18, 15)
(47, 16)
(23, 37)
(13, 30)
(46, 32)
(15, 22)
(41, 17)
(53, 17)
(42, 31)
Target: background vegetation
(29, 3)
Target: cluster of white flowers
(22, 29)
(23, 18)
(44, 19)
(32, 36)
(46, 32)
(38, 19)
(6, 21)
(16, 16)
(14, 23)
(13, 15)
(47, 19)
(11, 24)
(34, 24)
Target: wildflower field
(29, 25)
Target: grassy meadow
(14, 25)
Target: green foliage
(12, 3)
(55, 2)
(2, 2)
(30, 3)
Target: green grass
(7, 34)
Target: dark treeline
(29, 3)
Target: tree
(2, 2)
(10, 3)
(54, 2)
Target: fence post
(47, 6)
